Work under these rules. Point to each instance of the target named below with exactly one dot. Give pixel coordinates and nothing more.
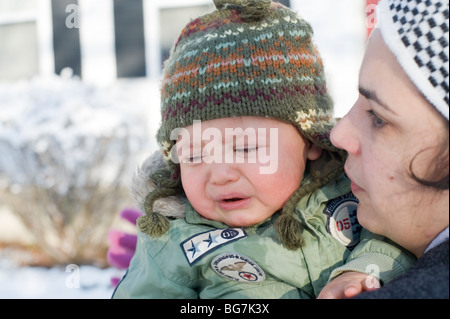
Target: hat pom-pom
(251, 10)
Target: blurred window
(18, 39)
(129, 38)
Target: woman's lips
(355, 187)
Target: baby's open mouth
(233, 202)
(234, 199)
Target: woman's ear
(314, 152)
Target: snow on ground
(70, 282)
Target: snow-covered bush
(67, 151)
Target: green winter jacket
(200, 258)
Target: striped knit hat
(417, 32)
(247, 58)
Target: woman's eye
(377, 122)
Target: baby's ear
(314, 151)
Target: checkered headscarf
(417, 32)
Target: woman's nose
(345, 136)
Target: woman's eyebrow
(370, 95)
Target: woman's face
(390, 131)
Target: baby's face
(240, 171)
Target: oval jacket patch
(237, 267)
(342, 221)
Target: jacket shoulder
(428, 278)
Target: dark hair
(438, 177)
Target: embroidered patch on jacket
(201, 244)
(342, 221)
(237, 267)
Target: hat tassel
(153, 223)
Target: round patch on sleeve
(342, 221)
(237, 267)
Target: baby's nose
(222, 173)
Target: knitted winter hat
(417, 32)
(247, 58)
